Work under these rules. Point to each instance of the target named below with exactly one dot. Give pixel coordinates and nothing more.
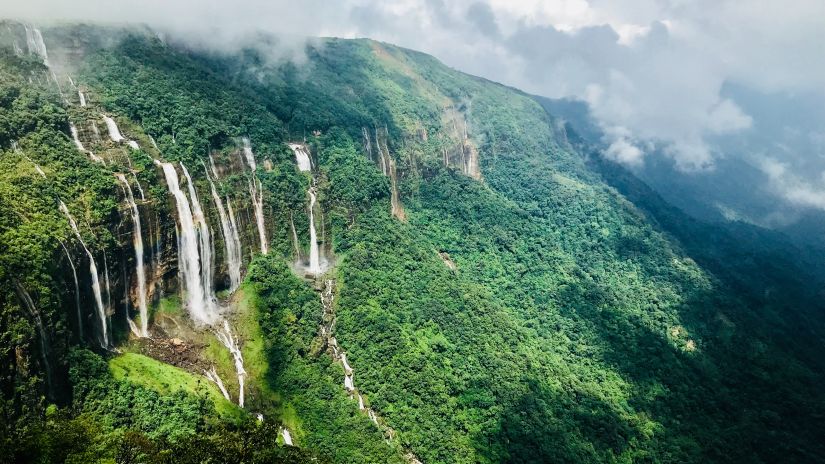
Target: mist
(656, 75)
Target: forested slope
(483, 294)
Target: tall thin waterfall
(295, 245)
(101, 311)
(41, 329)
(256, 192)
(314, 255)
(82, 98)
(200, 308)
(76, 290)
(225, 336)
(233, 223)
(137, 241)
(140, 189)
(232, 242)
(205, 240)
(301, 156)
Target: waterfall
(80, 147)
(96, 132)
(101, 311)
(314, 255)
(234, 225)
(76, 290)
(38, 322)
(388, 168)
(212, 375)
(114, 132)
(247, 151)
(82, 98)
(301, 156)
(77, 143)
(295, 244)
(137, 241)
(133, 145)
(204, 239)
(256, 193)
(286, 436)
(34, 40)
(140, 189)
(232, 242)
(200, 308)
(360, 402)
(225, 336)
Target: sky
(654, 72)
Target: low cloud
(655, 69)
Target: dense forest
(396, 262)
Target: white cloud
(654, 67)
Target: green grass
(167, 379)
(170, 305)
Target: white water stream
(256, 193)
(224, 334)
(232, 242)
(137, 242)
(212, 375)
(314, 254)
(189, 260)
(101, 311)
(301, 156)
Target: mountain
(361, 255)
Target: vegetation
(553, 310)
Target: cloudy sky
(653, 71)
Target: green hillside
(502, 294)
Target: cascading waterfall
(224, 334)
(82, 98)
(212, 375)
(232, 242)
(34, 40)
(114, 132)
(301, 156)
(101, 311)
(80, 147)
(200, 308)
(204, 239)
(314, 255)
(76, 290)
(137, 241)
(256, 192)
